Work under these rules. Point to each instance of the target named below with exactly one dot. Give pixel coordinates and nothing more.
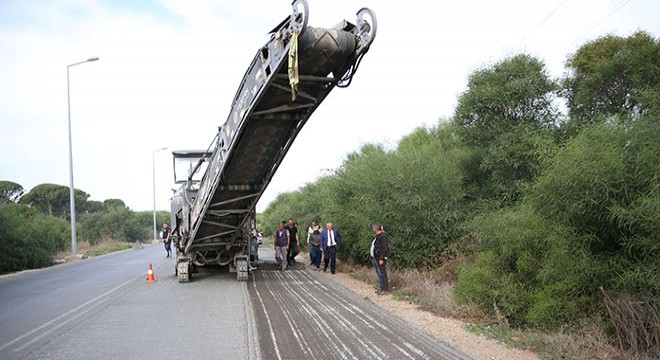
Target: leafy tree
(515, 91)
(54, 200)
(144, 221)
(93, 206)
(584, 181)
(113, 203)
(507, 118)
(307, 204)
(10, 192)
(116, 223)
(612, 76)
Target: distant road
(302, 314)
(102, 308)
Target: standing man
(281, 245)
(378, 255)
(314, 243)
(167, 239)
(294, 244)
(330, 238)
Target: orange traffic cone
(150, 274)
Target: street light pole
(153, 166)
(74, 245)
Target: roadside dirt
(451, 331)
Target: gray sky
(169, 69)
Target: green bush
(113, 222)
(29, 238)
(145, 223)
(590, 220)
(538, 273)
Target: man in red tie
(330, 239)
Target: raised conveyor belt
(266, 117)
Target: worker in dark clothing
(167, 239)
(294, 245)
(378, 253)
(281, 245)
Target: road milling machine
(213, 212)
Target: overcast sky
(169, 69)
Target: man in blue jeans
(281, 245)
(378, 253)
(330, 239)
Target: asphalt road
(303, 314)
(102, 308)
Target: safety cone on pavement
(150, 274)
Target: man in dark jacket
(294, 244)
(167, 239)
(330, 239)
(378, 253)
(281, 245)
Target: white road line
(334, 345)
(404, 352)
(288, 316)
(385, 332)
(325, 329)
(270, 325)
(37, 338)
(254, 349)
(414, 349)
(367, 345)
(41, 327)
(306, 306)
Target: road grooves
(304, 314)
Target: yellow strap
(293, 65)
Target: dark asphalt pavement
(102, 308)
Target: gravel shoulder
(448, 330)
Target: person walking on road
(378, 253)
(281, 245)
(167, 239)
(314, 243)
(294, 244)
(330, 239)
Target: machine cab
(190, 165)
(189, 169)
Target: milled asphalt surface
(102, 308)
(303, 314)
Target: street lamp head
(92, 59)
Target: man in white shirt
(330, 238)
